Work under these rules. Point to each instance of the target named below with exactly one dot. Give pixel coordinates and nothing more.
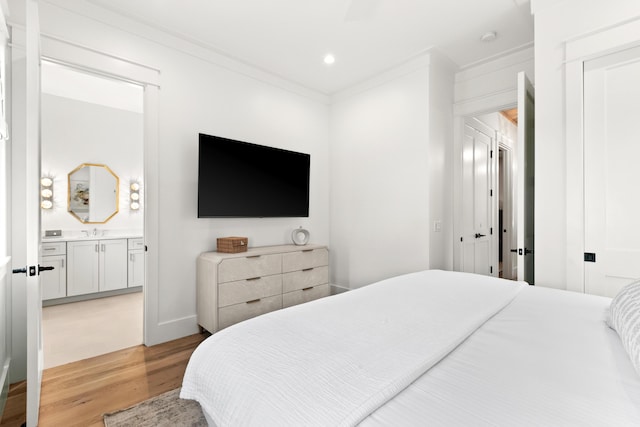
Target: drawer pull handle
(307, 250)
(50, 249)
(254, 256)
(253, 278)
(253, 301)
(307, 269)
(308, 289)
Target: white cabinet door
(82, 267)
(113, 264)
(54, 282)
(136, 268)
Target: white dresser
(235, 287)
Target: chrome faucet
(94, 232)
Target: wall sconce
(134, 195)
(46, 192)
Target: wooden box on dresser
(235, 287)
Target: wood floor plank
(79, 393)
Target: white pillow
(624, 317)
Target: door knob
(478, 235)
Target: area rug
(164, 410)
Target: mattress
(547, 359)
(521, 356)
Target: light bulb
(135, 206)
(329, 59)
(46, 182)
(46, 204)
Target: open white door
(26, 193)
(526, 182)
(5, 226)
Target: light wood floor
(79, 393)
(79, 330)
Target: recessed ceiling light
(489, 36)
(329, 59)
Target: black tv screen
(240, 180)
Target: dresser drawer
(231, 314)
(230, 293)
(248, 267)
(305, 295)
(296, 280)
(302, 259)
(53, 248)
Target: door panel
(611, 150)
(526, 179)
(478, 142)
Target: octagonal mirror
(93, 193)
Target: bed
(427, 348)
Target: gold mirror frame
(69, 198)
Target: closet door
(611, 159)
(478, 144)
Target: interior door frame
(490, 104)
(578, 50)
(57, 50)
(92, 61)
(507, 190)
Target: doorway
(488, 213)
(92, 218)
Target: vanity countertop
(106, 236)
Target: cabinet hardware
(307, 250)
(253, 278)
(97, 248)
(254, 256)
(308, 289)
(103, 247)
(253, 301)
(49, 249)
(307, 269)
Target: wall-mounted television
(242, 180)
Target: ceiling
(289, 38)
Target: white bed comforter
(336, 360)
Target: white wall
(203, 92)
(555, 24)
(76, 132)
(441, 96)
(386, 163)
(491, 85)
